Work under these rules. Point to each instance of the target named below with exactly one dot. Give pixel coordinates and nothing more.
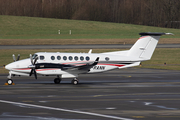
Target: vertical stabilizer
(145, 45)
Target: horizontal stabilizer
(154, 34)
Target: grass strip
(21, 27)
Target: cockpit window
(34, 56)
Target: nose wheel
(9, 82)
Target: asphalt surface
(105, 46)
(126, 94)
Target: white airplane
(70, 65)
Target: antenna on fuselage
(90, 51)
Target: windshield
(34, 56)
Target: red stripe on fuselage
(22, 68)
(45, 69)
(36, 69)
(117, 65)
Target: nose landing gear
(9, 81)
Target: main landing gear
(58, 80)
(74, 81)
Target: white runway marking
(149, 104)
(66, 110)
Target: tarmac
(126, 94)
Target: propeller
(18, 57)
(33, 66)
(14, 57)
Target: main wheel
(9, 81)
(74, 81)
(57, 80)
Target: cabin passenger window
(64, 58)
(41, 57)
(59, 57)
(87, 58)
(70, 57)
(107, 58)
(52, 57)
(76, 58)
(81, 58)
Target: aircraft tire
(9, 81)
(74, 82)
(57, 80)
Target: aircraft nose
(8, 67)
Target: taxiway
(126, 94)
(88, 46)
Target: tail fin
(145, 45)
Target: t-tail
(144, 47)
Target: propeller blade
(35, 75)
(31, 72)
(33, 66)
(18, 57)
(31, 59)
(14, 58)
(35, 60)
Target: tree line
(161, 13)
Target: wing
(69, 67)
(85, 67)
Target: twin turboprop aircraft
(70, 65)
